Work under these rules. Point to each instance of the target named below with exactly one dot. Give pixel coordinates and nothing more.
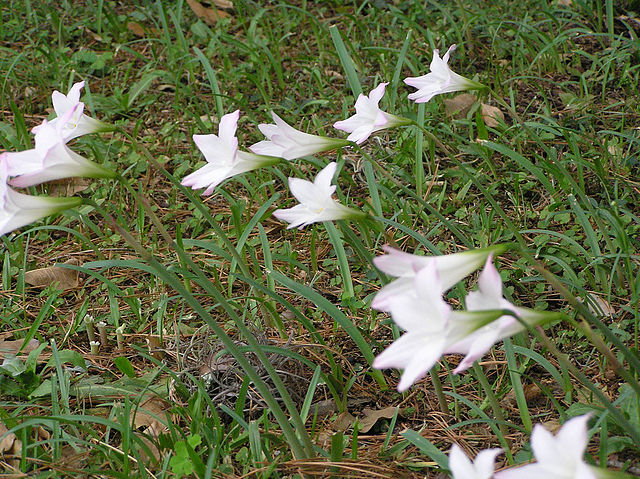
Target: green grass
(561, 180)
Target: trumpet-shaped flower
(430, 324)
(560, 456)
(286, 142)
(369, 117)
(489, 297)
(404, 266)
(17, 209)
(51, 159)
(78, 123)
(481, 468)
(440, 80)
(223, 158)
(316, 203)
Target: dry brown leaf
(43, 277)
(10, 445)
(68, 186)
(371, 417)
(492, 115)
(210, 15)
(459, 105)
(141, 31)
(343, 422)
(11, 348)
(223, 4)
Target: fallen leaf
(43, 277)
(210, 15)
(11, 348)
(458, 106)
(371, 417)
(68, 186)
(343, 422)
(492, 115)
(10, 445)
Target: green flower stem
(300, 449)
(437, 387)
(493, 400)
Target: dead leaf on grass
(43, 277)
(68, 186)
(492, 115)
(458, 106)
(10, 445)
(209, 15)
(11, 348)
(150, 415)
(371, 417)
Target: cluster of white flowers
(50, 159)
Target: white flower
(369, 117)
(222, 155)
(489, 297)
(51, 159)
(559, 457)
(286, 142)
(17, 209)
(481, 468)
(316, 203)
(431, 327)
(440, 80)
(78, 123)
(451, 269)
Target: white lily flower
(560, 456)
(430, 324)
(451, 268)
(17, 209)
(369, 117)
(51, 159)
(78, 123)
(286, 142)
(223, 158)
(316, 203)
(489, 297)
(440, 80)
(481, 468)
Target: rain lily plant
(316, 203)
(369, 117)
(52, 159)
(451, 269)
(433, 329)
(286, 142)
(17, 209)
(440, 80)
(559, 456)
(224, 160)
(481, 468)
(77, 124)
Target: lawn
(150, 330)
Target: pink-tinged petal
(216, 150)
(228, 126)
(377, 93)
(74, 92)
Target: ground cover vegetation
(147, 330)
